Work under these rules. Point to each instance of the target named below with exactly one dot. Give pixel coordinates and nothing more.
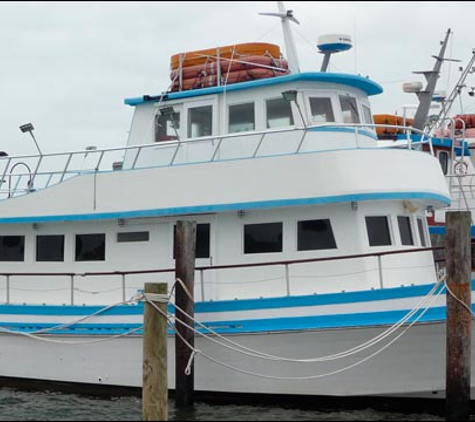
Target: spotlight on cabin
(28, 127)
(290, 95)
(167, 111)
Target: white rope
(253, 353)
(196, 351)
(67, 342)
(458, 300)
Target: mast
(447, 103)
(286, 16)
(425, 96)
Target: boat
(453, 140)
(315, 274)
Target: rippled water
(27, 406)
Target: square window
(378, 231)
(90, 247)
(12, 248)
(315, 235)
(263, 238)
(50, 248)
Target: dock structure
(459, 315)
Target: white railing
(43, 171)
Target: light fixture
(167, 111)
(28, 127)
(241, 213)
(291, 96)
(354, 205)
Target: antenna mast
(425, 96)
(286, 16)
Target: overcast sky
(67, 67)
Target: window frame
(266, 113)
(389, 231)
(240, 104)
(271, 223)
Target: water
(50, 406)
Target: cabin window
(444, 161)
(202, 249)
(322, 110)
(315, 235)
(378, 231)
(422, 234)
(127, 237)
(167, 127)
(263, 238)
(12, 248)
(279, 113)
(241, 118)
(349, 109)
(50, 248)
(200, 122)
(367, 115)
(405, 230)
(90, 247)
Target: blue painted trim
(355, 81)
(230, 305)
(337, 46)
(199, 209)
(361, 320)
(343, 130)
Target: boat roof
(355, 81)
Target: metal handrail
(202, 269)
(217, 142)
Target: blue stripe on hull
(257, 325)
(231, 305)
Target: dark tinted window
(12, 248)
(90, 247)
(314, 235)
(444, 161)
(420, 226)
(378, 231)
(263, 238)
(50, 248)
(405, 230)
(133, 237)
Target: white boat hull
(413, 366)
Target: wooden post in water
(185, 250)
(458, 255)
(155, 383)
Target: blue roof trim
(354, 81)
(200, 209)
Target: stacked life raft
(226, 65)
(391, 120)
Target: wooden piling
(458, 255)
(185, 250)
(155, 382)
